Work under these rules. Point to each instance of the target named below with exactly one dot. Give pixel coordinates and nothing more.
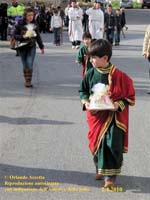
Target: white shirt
(56, 21)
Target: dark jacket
(118, 22)
(123, 19)
(20, 30)
(109, 20)
(3, 16)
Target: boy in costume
(108, 129)
(82, 56)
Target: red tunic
(120, 87)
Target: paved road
(43, 130)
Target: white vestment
(96, 22)
(75, 30)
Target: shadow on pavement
(30, 121)
(133, 183)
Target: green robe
(109, 157)
(83, 58)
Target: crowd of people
(83, 23)
(98, 21)
(11, 14)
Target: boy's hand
(116, 105)
(87, 105)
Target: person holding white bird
(27, 34)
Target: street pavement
(43, 131)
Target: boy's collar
(105, 70)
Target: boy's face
(99, 62)
(87, 41)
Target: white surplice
(75, 30)
(96, 22)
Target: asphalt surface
(43, 131)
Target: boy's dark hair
(28, 10)
(100, 48)
(86, 35)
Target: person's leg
(30, 60)
(98, 176)
(12, 42)
(23, 55)
(87, 25)
(111, 36)
(110, 181)
(108, 35)
(31, 56)
(116, 37)
(73, 44)
(58, 36)
(55, 35)
(110, 154)
(78, 44)
(2, 34)
(5, 34)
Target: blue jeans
(57, 35)
(27, 57)
(117, 36)
(110, 35)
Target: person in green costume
(82, 55)
(108, 129)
